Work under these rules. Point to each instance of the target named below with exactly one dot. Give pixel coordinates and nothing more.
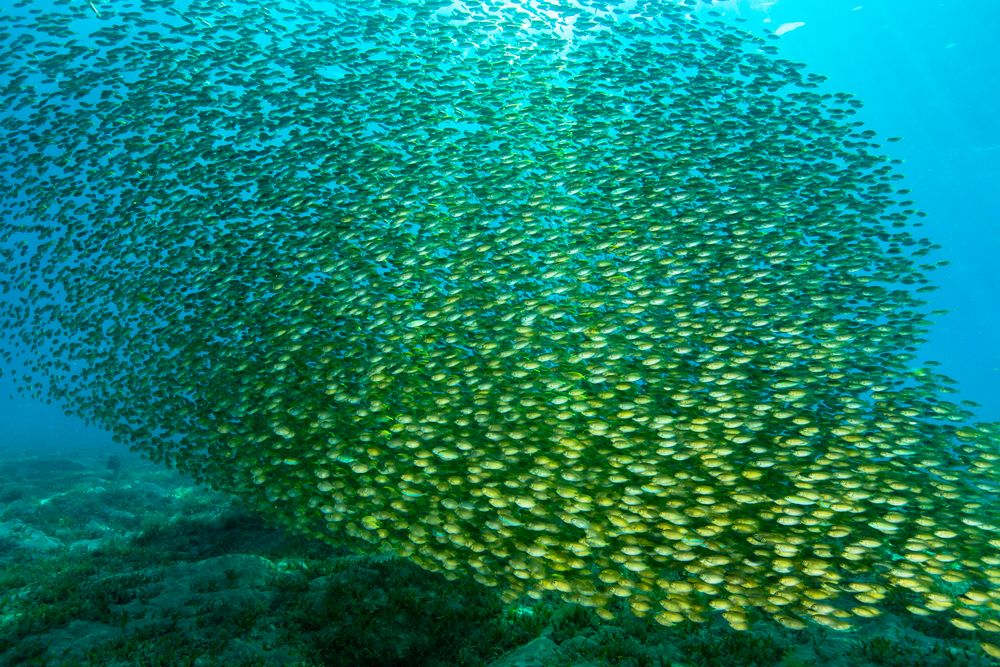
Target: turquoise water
(924, 72)
(677, 312)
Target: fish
(788, 27)
(628, 313)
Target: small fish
(788, 27)
(629, 312)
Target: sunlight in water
(737, 7)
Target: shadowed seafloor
(115, 561)
(610, 303)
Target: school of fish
(608, 301)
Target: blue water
(926, 71)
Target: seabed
(115, 561)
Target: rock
(536, 653)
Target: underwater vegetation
(612, 305)
(148, 568)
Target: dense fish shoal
(615, 303)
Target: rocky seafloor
(111, 560)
